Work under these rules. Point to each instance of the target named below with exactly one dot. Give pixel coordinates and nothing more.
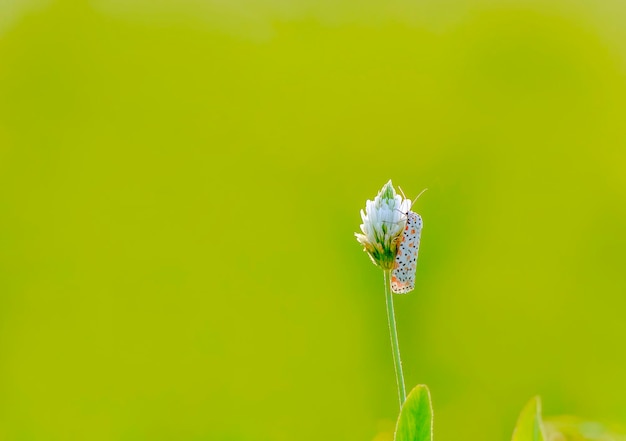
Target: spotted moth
(403, 274)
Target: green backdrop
(180, 182)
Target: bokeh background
(180, 182)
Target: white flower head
(384, 220)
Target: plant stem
(395, 349)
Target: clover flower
(384, 220)
(390, 234)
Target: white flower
(383, 222)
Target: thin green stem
(391, 319)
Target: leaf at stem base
(415, 422)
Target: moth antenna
(421, 193)
(400, 220)
(401, 191)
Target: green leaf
(415, 422)
(529, 426)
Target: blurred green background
(180, 182)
